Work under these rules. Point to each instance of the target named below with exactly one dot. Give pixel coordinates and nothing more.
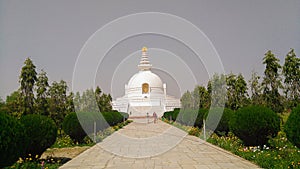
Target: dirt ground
(69, 152)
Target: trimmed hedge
(187, 117)
(172, 114)
(200, 117)
(41, 132)
(13, 140)
(72, 127)
(292, 127)
(254, 125)
(223, 117)
(79, 125)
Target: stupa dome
(143, 77)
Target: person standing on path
(155, 117)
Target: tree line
(36, 96)
(278, 88)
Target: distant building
(145, 93)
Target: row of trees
(93, 101)
(36, 96)
(278, 89)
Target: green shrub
(41, 132)
(172, 114)
(79, 125)
(72, 127)
(254, 125)
(112, 118)
(200, 117)
(292, 127)
(222, 116)
(12, 140)
(187, 117)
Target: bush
(223, 115)
(12, 140)
(172, 114)
(112, 118)
(292, 127)
(72, 127)
(41, 132)
(187, 117)
(78, 129)
(200, 117)
(254, 125)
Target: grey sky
(53, 32)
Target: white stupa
(145, 93)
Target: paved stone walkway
(160, 145)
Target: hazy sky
(52, 33)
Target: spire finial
(144, 49)
(144, 63)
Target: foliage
(272, 82)
(223, 117)
(187, 101)
(280, 154)
(198, 98)
(27, 80)
(172, 115)
(93, 101)
(79, 125)
(255, 125)
(103, 100)
(201, 115)
(194, 131)
(42, 106)
(292, 127)
(72, 127)
(58, 102)
(70, 106)
(291, 72)
(236, 91)
(41, 132)
(62, 141)
(113, 118)
(218, 90)
(187, 117)
(201, 97)
(256, 89)
(36, 163)
(13, 140)
(13, 104)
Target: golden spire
(144, 49)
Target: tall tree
(291, 72)
(236, 91)
(255, 87)
(88, 102)
(58, 101)
(98, 93)
(76, 101)
(187, 101)
(27, 80)
(70, 103)
(42, 86)
(218, 90)
(201, 97)
(105, 102)
(272, 82)
(241, 89)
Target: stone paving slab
(143, 145)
